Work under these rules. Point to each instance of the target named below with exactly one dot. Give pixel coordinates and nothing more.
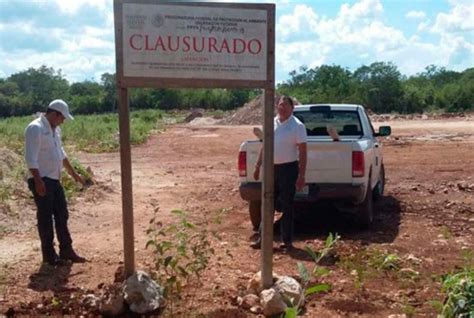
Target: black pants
(285, 176)
(52, 206)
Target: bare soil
(426, 218)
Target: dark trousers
(285, 176)
(52, 206)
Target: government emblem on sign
(158, 20)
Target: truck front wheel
(255, 213)
(379, 188)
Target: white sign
(178, 41)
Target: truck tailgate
(329, 162)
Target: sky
(77, 36)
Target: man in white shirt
(45, 157)
(290, 156)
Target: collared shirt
(43, 148)
(288, 135)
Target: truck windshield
(346, 123)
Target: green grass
(90, 133)
(100, 133)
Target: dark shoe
(256, 244)
(72, 256)
(255, 236)
(55, 262)
(286, 247)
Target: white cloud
(356, 31)
(71, 7)
(302, 17)
(415, 15)
(459, 19)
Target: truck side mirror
(384, 131)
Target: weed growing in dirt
(459, 291)
(369, 263)
(69, 184)
(182, 251)
(317, 272)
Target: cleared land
(426, 219)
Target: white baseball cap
(61, 106)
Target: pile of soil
(252, 114)
(249, 114)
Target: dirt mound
(9, 160)
(251, 113)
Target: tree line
(382, 88)
(379, 86)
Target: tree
(380, 86)
(110, 88)
(42, 85)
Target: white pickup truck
(345, 163)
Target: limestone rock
(272, 302)
(249, 301)
(254, 285)
(112, 303)
(142, 293)
(290, 289)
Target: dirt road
(426, 219)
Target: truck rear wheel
(255, 213)
(366, 209)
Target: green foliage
(382, 88)
(92, 133)
(69, 184)
(379, 86)
(458, 287)
(373, 262)
(181, 253)
(31, 91)
(317, 272)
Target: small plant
(459, 301)
(384, 261)
(317, 272)
(459, 289)
(446, 232)
(181, 253)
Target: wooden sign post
(180, 44)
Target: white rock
(90, 300)
(412, 258)
(290, 289)
(254, 285)
(249, 301)
(272, 302)
(112, 303)
(142, 293)
(256, 310)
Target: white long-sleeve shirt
(43, 148)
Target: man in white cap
(45, 157)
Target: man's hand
(40, 187)
(80, 179)
(256, 173)
(300, 183)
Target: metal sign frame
(124, 82)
